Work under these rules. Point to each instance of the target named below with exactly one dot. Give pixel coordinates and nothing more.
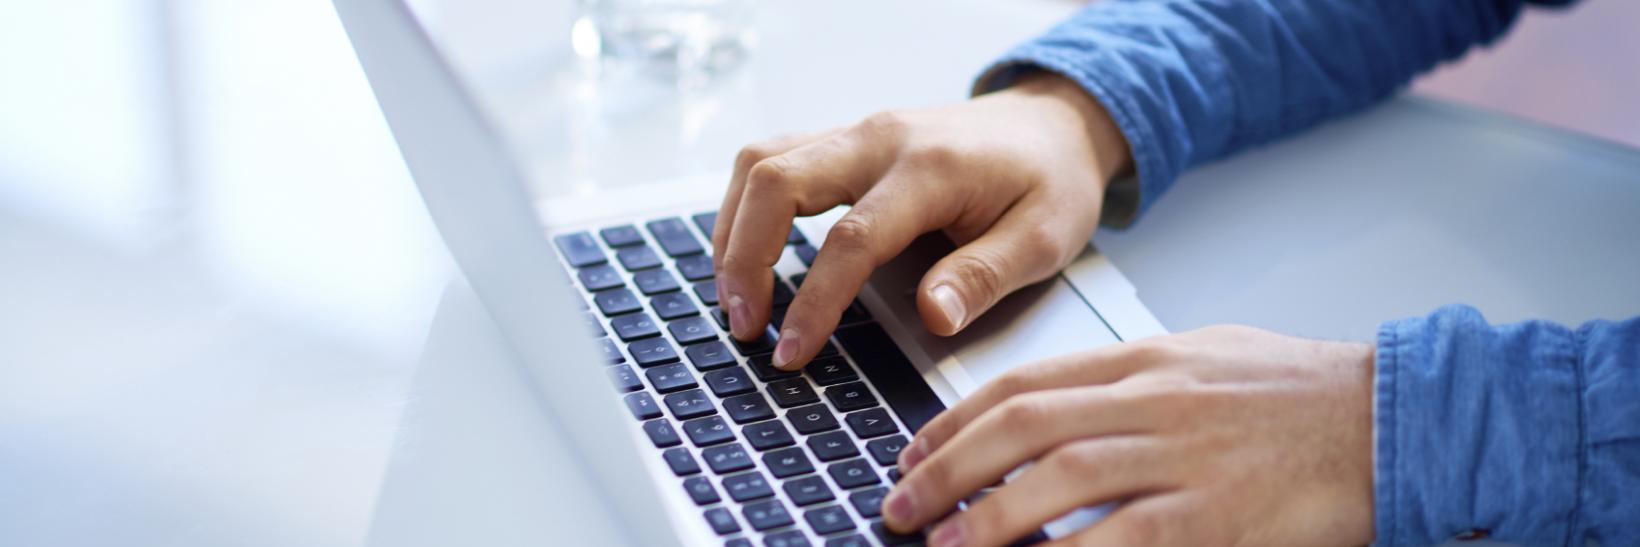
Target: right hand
(1016, 178)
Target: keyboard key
(792, 392)
(727, 459)
(729, 382)
(748, 408)
(887, 449)
(670, 378)
(830, 519)
(869, 502)
(811, 419)
(851, 540)
(722, 317)
(853, 474)
(747, 487)
(738, 542)
(871, 423)
(777, 316)
(786, 538)
(767, 435)
(661, 433)
(709, 356)
(696, 268)
(808, 490)
(759, 345)
(897, 380)
(642, 406)
(722, 521)
(621, 236)
(637, 258)
(707, 292)
(701, 490)
(653, 282)
(894, 475)
(690, 330)
(787, 462)
(674, 237)
(705, 221)
(612, 354)
(635, 326)
(580, 250)
(673, 305)
(624, 379)
(854, 313)
(891, 538)
(850, 397)
(831, 370)
(614, 302)
(832, 446)
(681, 461)
(652, 351)
(763, 367)
(783, 294)
(767, 514)
(597, 278)
(805, 253)
(795, 237)
(708, 431)
(689, 404)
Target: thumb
(967, 282)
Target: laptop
(663, 429)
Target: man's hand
(1015, 178)
(1225, 436)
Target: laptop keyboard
(771, 457)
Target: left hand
(1222, 436)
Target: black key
(766, 514)
(635, 326)
(708, 431)
(786, 538)
(705, 221)
(830, 370)
(811, 419)
(597, 278)
(787, 462)
(853, 474)
(782, 293)
(670, 378)
(871, 423)
(580, 250)
(612, 354)
(901, 386)
(851, 540)
(777, 316)
(690, 330)
(594, 326)
(722, 521)
(624, 379)
(797, 279)
(707, 291)
(759, 345)
(696, 268)
(652, 351)
(829, 351)
(643, 406)
(887, 449)
(681, 461)
(701, 490)
(767, 435)
(674, 237)
(653, 282)
(830, 519)
(726, 459)
(792, 392)
(621, 236)
(710, 355)
(805, 253)
(892, 538)
(869, 502)
(795, 237)
(738, 542)
(661, 433)
(637, 258)
(747, 487)
(722, 317)
(854, 313)
(894, 475)
(763, 367)
(729, 381)
(673, 305)
(748, 408)
(689, 404)
(833, 446)
(808, 490)
(850, 397)
(616, 301)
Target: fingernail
(948, 534)
(786, 350)
(950, 304)
(899, 507)
(737, 314)
(912, 455)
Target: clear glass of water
(688, 40)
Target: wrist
(1068, 99)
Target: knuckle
(734, 261)
(769, 174)
(751, 154)
(1076, 459)
(1022, 412)
(1144, 528)
(852, 232)
(935, 155)
(886, 123)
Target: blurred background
(217, 275)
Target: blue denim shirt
(1529, 432)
